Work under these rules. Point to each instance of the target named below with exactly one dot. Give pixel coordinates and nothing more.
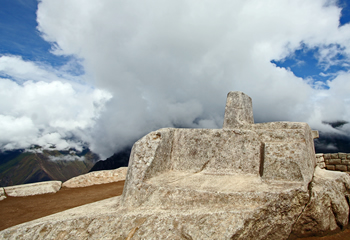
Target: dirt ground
(16, 210)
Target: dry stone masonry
(334, 161)
(245, 181)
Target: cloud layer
(171, 63)
(43, 109)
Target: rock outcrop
(245, 181)
(98, 177)
(33, 189)
(328, 208)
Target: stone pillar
(238, 110)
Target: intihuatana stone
(245, 181)
(328, 208)
(98, 177)
(238, 111)
(2, 194)
(33, 189)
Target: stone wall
(334, 161)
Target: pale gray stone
(108, 220)
(97, 177)
(238, 110)
(33, 189)
(328, 208)
(2, 194)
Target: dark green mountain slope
(117, 160)
(19, 167)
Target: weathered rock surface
(2, 194)
(328, 208)
(98, 177)
(245, 181)
(33, 189)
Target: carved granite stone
(245, 181)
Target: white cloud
(172, 63)
(46, 110)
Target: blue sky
(304, 62)
(105, 73)
(19, 34)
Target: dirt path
(16, 210)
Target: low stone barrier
(334, 161)
(2, 194)
(33, 189)
(98, 177)
(85, 180)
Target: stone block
(211, 151)
(334, 155)
(33, 189)
(2, 194)
(342, 155)
(330, 167)
(318, 155)
(348, 156)
(326, 161)
(345, 162)
(327, 156)
(334, 161)
(342, 168)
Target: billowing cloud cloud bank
(171, 63)
(43, 109)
